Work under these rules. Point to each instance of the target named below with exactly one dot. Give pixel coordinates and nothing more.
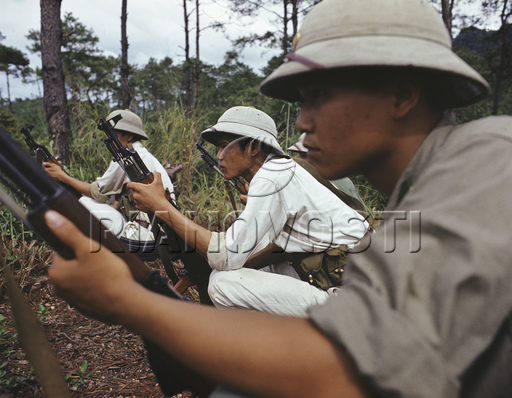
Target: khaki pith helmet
(351, 33)
(130, 123)
(245, 121)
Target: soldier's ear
(254, 147)
(407, 92)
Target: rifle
(39, 192)
(237, 182)
(38, 149)
(197, 268)
(44, 154)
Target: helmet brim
(467, 86)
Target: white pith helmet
(130, 123)
(245, 121)
(394, 33)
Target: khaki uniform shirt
(433, 290)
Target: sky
(154, 29)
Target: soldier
(112, 183)
(289, 219)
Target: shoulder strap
(344, 197)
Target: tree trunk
(74, 101)
(197, 67)
(54, 92)
(284, 44)
(447, 14)
(125, 89)
(186, 65)
(8, 90)
(500, 73)
(446, 11)
(295, 17)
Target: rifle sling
(163, 253)
(230, 194)
(344, 197)
(34, 342)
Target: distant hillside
(478, 41)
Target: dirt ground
(98, 360)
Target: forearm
(80, 186)
(258, 353)
(192, 233)
(57, 173)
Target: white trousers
(110, 217)
(264, 290)
(115, 222)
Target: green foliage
(6, 337)
(157, 84)
(78, 378)
(42, 312)
(8, 380)
(486, 52)
(10, 56)
(374, 200)
(12, 231)
(7, 120)
(29, 112)
(7, 383)
(12, 62)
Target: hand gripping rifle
(38, 192)
(42, 153)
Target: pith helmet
(245, 121)
(299, 145)
(351, 33)
(130, 123)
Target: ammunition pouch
(323, 270)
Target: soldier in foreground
(429, 316)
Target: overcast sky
(154, 28)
